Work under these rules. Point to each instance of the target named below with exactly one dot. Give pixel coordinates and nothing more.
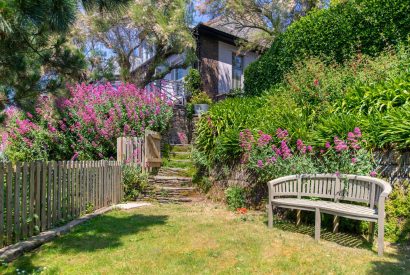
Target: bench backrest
(329, 186)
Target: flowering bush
(94, 116)
(33, 136)
(271, 157)
(85, 125)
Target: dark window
(237, 71)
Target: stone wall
(180, 131)
(393, 165)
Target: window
(237, 71)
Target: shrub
(35, 136)
(235, 197)
(193, 82)
(93, 117)
(201, 98)
(135, 182)
(398, 213)
(270, 157)
(356, 26)
(85, 125)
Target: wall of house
(208, 64)
(225, 52)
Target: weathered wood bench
(331, 194)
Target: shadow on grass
(97, 234)
(401, 257)
(344, 239)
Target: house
(220, 63)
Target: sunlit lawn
(201, 239)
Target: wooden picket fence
(36, 196)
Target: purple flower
(281, 134)
(327, 145)
(357, 132)
(264, 139)
(75, 156)
(286, 153)
(340, 145)
(337, 174)
(260, 163)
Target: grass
(202, 239)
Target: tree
(35, 53)
(262, 20)
(164, 24)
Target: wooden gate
(152, 149)
(144, 152)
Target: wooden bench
(331, 194)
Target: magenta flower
(357, 132)
(260, 163)
(286, 153)
(264, 139)
(373, 173)
(281, 134)
(327, 145)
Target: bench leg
(298, 217)
(317, 224)
(371, 232)
(336, 221)
(270, 215)
(380, 236)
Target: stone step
(182, 160)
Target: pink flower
(260, 163)
(309, 148)
(75, 156)
(337, 174)
(373, 173)
(327, 145)
(340, 145)
(354, 160)
(264, 139)
(301, 147)
(357, 132)
(286, 153)
(281, 134)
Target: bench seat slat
(333, 207)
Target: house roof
(229, 26)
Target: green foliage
(201, 98)
(334, 34)
(193, 82)
(235, 197)
(135, 182)
(398, 213)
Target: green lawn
(202, 239)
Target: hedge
(334, 34)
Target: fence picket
(24, 201)
(32, 201)
(17, 202)
(43, 218)
(49, 188)
(55, 192)
(9, 202)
